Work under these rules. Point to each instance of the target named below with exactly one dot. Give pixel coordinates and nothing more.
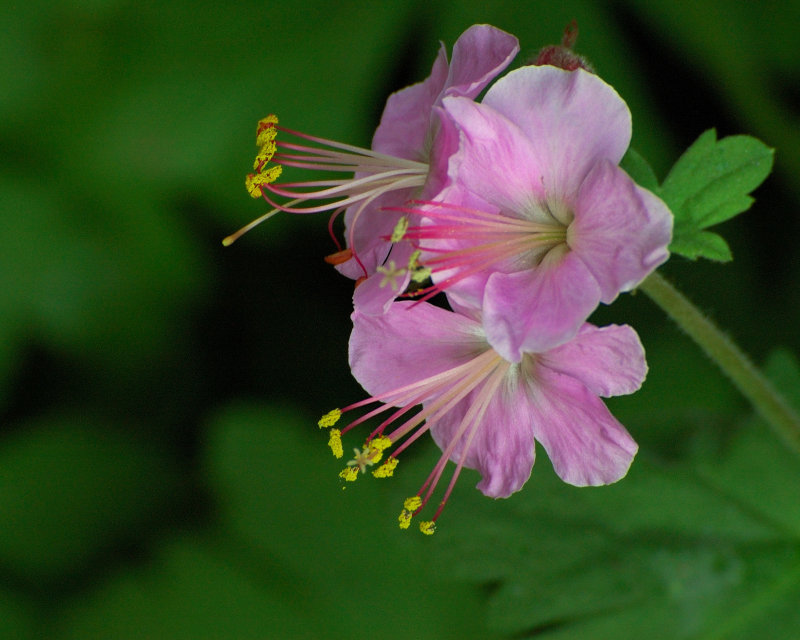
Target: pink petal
(620, 231)
(409, 343)
(572, 119)
(537, 309)
(503, 448)
(585, 443)
(479, 54)
(375, 295)
(406, 119)
(495, 159)
(609, 361)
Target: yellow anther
(329, 419)
(381, 443)
(412, 504)
(418, 272)
(404, 519)
(255, 181)
(266, 131)
(373, 455)
(390, 274)
(428, 527)
(421, 274)
(386, 470)
(349, 474)
(335, 443)
(400, 229)
(265, 155)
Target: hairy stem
(770, 404)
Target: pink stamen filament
(471, 422)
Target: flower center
(456, 242)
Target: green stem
(733, 362)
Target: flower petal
(503, 449)
(406, 119)
(537, 309)
(572, 119)
(409, 343)
(495, 159)
(609, 361)
(479, 54)
(585, 443)
(620, 231)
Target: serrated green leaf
(639, 170)
(709, 184)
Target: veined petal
(503, 449)
(609, 361)
(495, 159)
(572, 119)
(410, 343)
(585, 443)
(538, 309)
(620, 230)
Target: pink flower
(540, 225)
(409, 155)
(484, 411)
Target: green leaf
(709, 184)
(639, 170)
(71, 486)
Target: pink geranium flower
(484, 411)
(408, 158)
(540, 225)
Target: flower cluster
(515, 209)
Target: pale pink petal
(409, 343)
(406, 119)
(503, 448)
(609, 361)
(585, 443)
(479, 54)
(407, 123)
(572, 120)
(537, 309)
(620, 230)
(495, 159)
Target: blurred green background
(161, 474)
